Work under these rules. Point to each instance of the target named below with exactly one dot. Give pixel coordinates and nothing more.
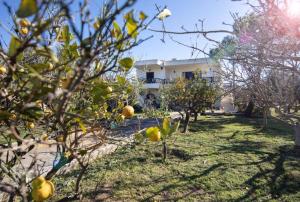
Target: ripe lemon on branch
(24, 30)
(153, 133)
(30, 125)
(24, 22)
(2, 70)
(128, 111)
(42, 189)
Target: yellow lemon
(109, 89)
(50, 66)
(153, 134)
(41, 189)
(122, 117)
(64, 83)
(13, 117)
(44, 137)
(24, 30)
(128, 111)
(2, 70)
(96, 25)
(38, 181)
(24, 23)
(30, 125)
(39, 103)
(48, 112)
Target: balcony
(155, 80)
(155, 83)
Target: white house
(154, 73)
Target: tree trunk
(265, 118)
(289, 109)
(296, 108)
(195, 116)
(297, 136)
(164, 151)
(186, 122)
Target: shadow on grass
(276, 171)
(220, 122)
(277, 180)
(269, 182)
(243, 146)
(186, 182)
(275, 126)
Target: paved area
(44, 155)
(130, 127)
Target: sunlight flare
(293, 8)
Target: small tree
(189, 96)
(159, 133)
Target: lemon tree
(159, 134)
(189, 97)
(63, 77)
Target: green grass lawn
(223, 158)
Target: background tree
(265, 41)
(189, 96)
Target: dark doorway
(188, 75)
(150, 77)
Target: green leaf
(27, 8)
(4, 115)
(65, 35)
(143, 16)
(126, 63)
(131, 25)
(81, 125)
(174, 127)
(40, 66)
(166, 127)
(15, 43)
(116, 32)
(121, 80)
(138, 137)
(42, 27)
(98, 91)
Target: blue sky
(184, 13)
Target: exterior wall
(174, 68)
(158, 72)
(177, 71)
(151, 85)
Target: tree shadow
(277, 180)
(275, 127)
(219, 122)
(278, 169)
(243, 146)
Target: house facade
(155, 73)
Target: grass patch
(223, 158)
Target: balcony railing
(156, 80)
(167, 81)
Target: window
(150, 77)
(188, 75)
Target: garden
(74, 126)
